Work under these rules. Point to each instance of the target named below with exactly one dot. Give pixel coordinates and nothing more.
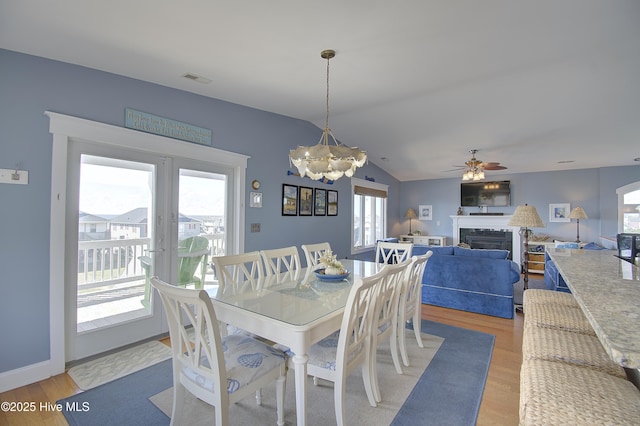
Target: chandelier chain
(326, 123)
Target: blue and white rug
(447, 392)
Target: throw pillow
(489, 253)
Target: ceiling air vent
(197, 78)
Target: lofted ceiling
(537, 85)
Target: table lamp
(410, 214)
(526, 217)
(578, 213)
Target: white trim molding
(65, 129)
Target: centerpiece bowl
(320, 274)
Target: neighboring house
(188, 227)
(130, 225)
(92, 227)
(134, 224)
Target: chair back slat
(413, 283)
(313, 252)
(234, 270)
(389, 290)
(281, 260)
(354, 341)
(387, 252)
(194, 333)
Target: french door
(129, 216)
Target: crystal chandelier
(474, 169)
(324, 160)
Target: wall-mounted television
(480, 194)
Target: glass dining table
(295, 309)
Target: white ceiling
(416, 83)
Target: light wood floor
(499, 402)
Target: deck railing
(109, 262)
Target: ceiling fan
(474, 162)
(474, 168)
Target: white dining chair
(217, 370)
(313, 252)
(410, 303)
(235, 269)
(281, 260)
(334, 358)
(385, 320)
(235, 272)
(388, 252)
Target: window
(369, 214)
(629, 208)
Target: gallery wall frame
(319, 202)
(332, 203)
(305, 201)
(559, 212)
(289, 200)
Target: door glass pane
(201, 225)
(114, 234)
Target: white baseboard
(24, 376)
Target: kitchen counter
(608, 291)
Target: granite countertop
(608, 290)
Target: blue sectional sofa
(471, 280)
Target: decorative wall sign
(320, 202)
(150, 123)
(289, 200)
(332, 203)
(305, 201)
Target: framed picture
(559, 212)
(305, 201)
(289, 200)
(425, 212)
(320, 202)
(332, 203)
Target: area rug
(448, 392)
(119, 364)
(394, 389)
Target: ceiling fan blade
(457, 169)
(493, 166)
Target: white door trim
(65, 128)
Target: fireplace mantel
(488, 222)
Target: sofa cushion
(419, 250)
(490, 253)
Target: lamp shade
(578, 213)
(526, 217)
(411, 214)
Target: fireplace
(492, 226)
(479, 238)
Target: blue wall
(592, 189)
(31, 85)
